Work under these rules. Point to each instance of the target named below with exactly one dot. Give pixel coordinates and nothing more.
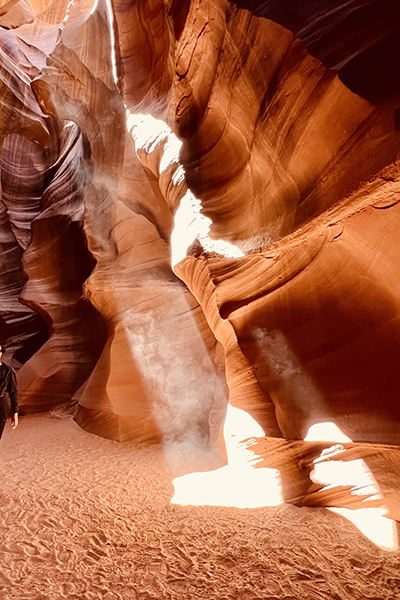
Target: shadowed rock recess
(288, 119)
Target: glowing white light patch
(147, 131)
(238, 483)
(189, 223)
(171, 152)
(354, 473)
(326, 432)
(112, 39)
(372, 522)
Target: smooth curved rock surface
(316, 320)
(146, 383)
(289, 149)
(21, 328)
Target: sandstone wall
(294, 161)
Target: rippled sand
(86, 518)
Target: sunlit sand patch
(238, 483)
(372, 522)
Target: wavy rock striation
(290, 136)
(156, 376)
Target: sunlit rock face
(290, 144)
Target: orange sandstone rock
(294, 163)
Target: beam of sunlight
(238, 483)
(372, 522)
(179, 381)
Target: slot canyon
(199, 278)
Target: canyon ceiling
(288, 116)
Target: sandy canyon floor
(85, 518)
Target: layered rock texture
(288, 120)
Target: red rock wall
(294, 163)
(156, 369)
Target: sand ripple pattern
(90, 519)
